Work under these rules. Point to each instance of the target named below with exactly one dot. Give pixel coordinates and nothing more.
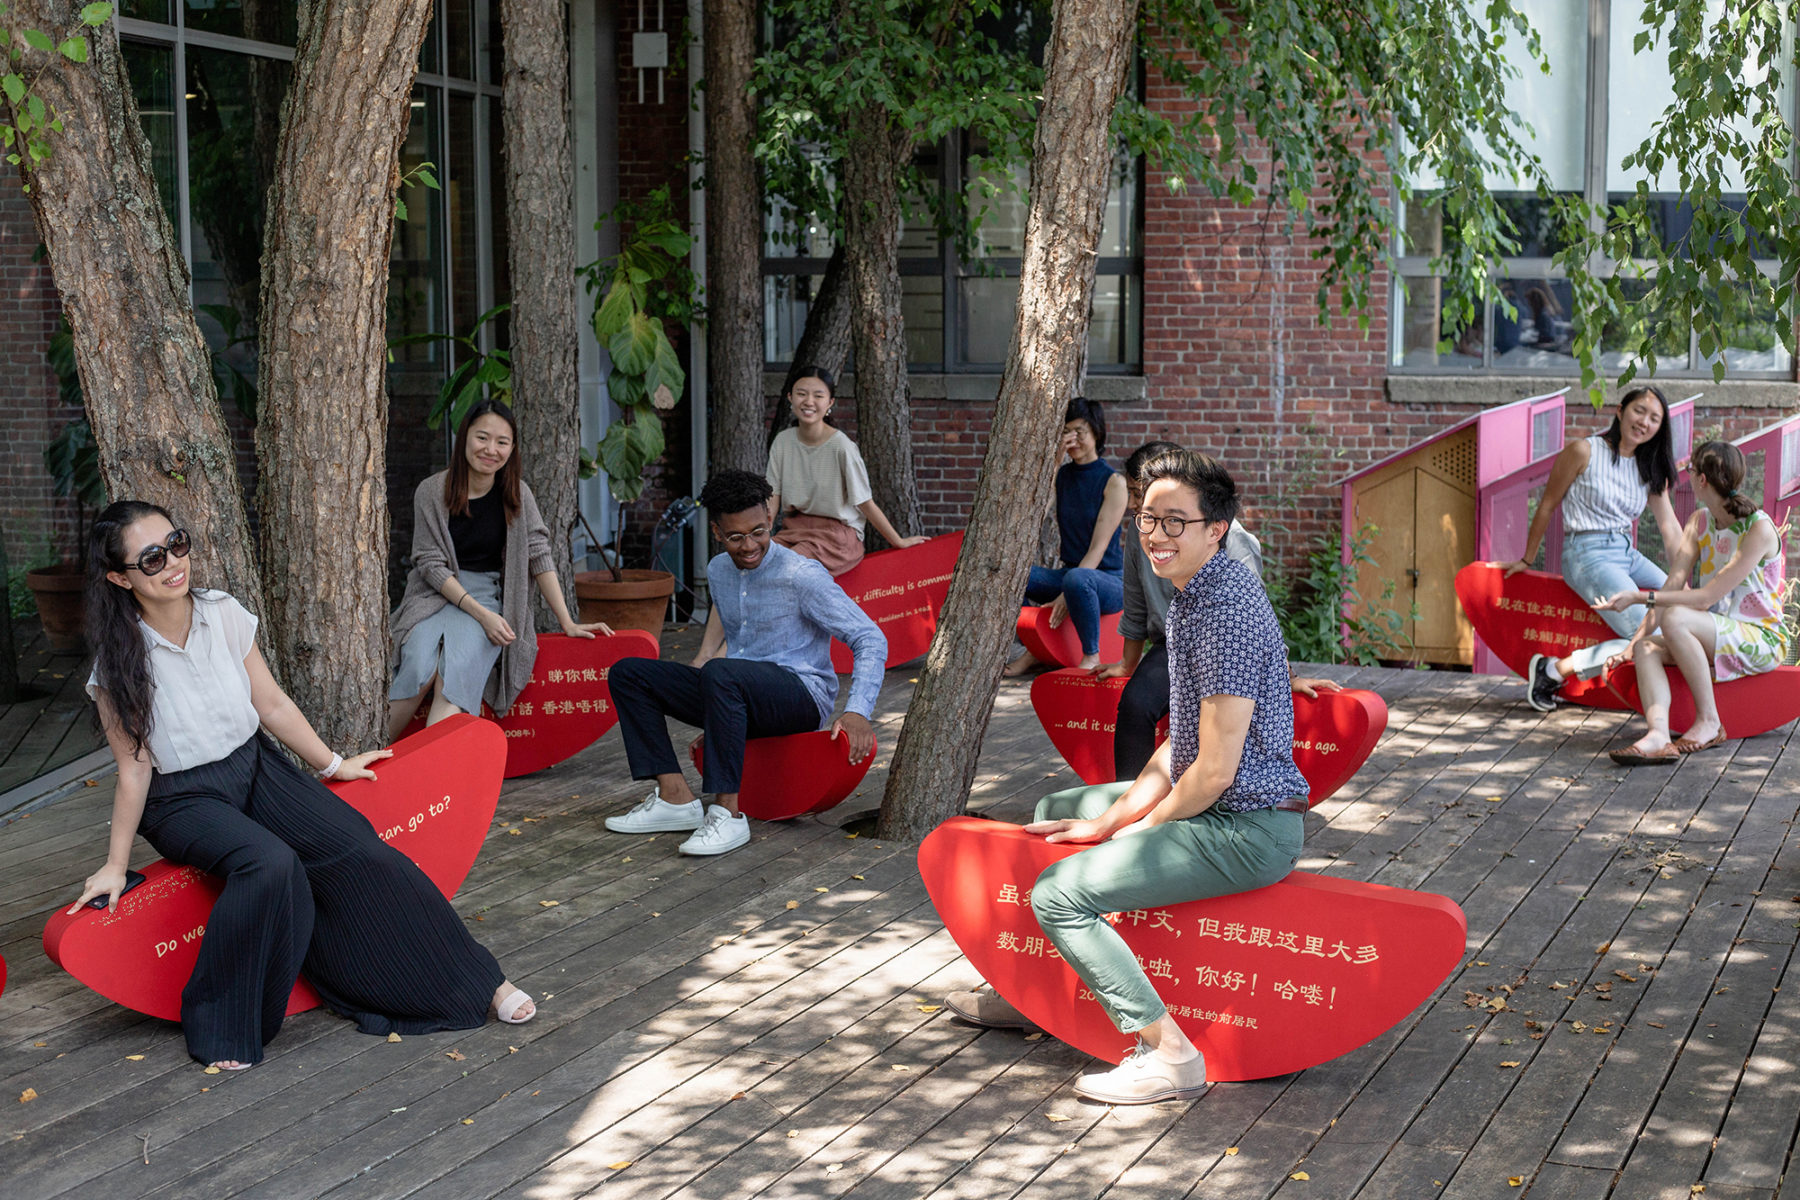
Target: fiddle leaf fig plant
(642, 289)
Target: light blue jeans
(1605, 563)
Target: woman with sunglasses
(477, 538)
(181, 691)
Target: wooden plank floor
(49, 727)
(765, 1024)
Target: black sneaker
(1540, 689)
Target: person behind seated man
(1145, 701)
(777, 612)
(1218, 809)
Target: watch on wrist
(1650, 602)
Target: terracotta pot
(60, 592)
(640, 600)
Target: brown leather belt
(1292, 804)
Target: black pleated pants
(309, 886)
(1142, 705)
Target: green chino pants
(1212, 854)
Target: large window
(213, 150)
(1596, 105)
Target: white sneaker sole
(716, 848)
(653, 824)
(1186, 1093)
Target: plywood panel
(1444, 543)
(1388, 505)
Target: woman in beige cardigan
(477, 536)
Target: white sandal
(508, 1009)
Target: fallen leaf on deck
(455, 1055)
(207, 1071)
(1515, 1181)
(1301, 1175)
(739, 1095)
(832, 1168)
(1229, 1150)
(401, 1109)
(393, 1037)
(1493, 799)
(856, 877)
(901, 1067)
(515, 832)
(1603, 947)
(90, 783)
(1578, 1026)
(1625, 977)
(40, 1045)
(850, 837)
(30, 1094)
(793, 1133)
(1032, 1037)
(1054, 1117)
(468, 1120)
(930, 1008)
(793, 904)
(1509, 1064)
(548, 903)
(134, 1058)
(1654, 1024)
(821, 889)
(626, 859)
(512, 1049)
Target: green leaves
(647, 286)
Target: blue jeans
(1090, 595)
(1605, 563)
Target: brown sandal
(1689, 746)
(1639, 758)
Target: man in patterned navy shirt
(1216, 811)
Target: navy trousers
(730, 699)
(1142, 705)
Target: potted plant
(646, 285)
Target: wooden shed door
(1424, 509)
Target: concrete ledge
(1489, 391)
(980, 389)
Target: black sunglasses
(155, 558)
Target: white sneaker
(722, 832)
(1143, 1078)
(656, 815)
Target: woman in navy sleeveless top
(1090, 504)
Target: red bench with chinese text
(1265, 982)
(567, 706)
(434, 800)
(902, 591)
(1535, 613)
(1060, 644)
(794, 775)
(1334, 733)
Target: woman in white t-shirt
(821, 486)
(308, 884)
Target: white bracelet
(331, 768)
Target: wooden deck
(50, 727)
(764, 1024)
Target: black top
(480, 537)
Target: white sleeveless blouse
(1608, 496)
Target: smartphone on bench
(132, 879)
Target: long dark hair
(1722, 465)
(1656, 457)
(121, 659)
(456, 480)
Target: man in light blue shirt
(777, 612)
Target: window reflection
(152, 71)
(259, 20)
(415, 297)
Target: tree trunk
(877, 327)
(321, 433)
(734, 286)
(1084, 74)
(825, 340)
(145, 371)
(541, 216)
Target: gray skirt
(452, 645)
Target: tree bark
(825, 339)
(734, 286)
(1084, 74)
(146, 374)
(321, 433)
(877, 326)
(545, 326)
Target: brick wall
(35, 523)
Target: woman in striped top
(1602, 484)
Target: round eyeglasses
(155, 558)
(1171, 526)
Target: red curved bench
(1265, 982)
(794, 775)
(434, 800)
(1061, 645)
(567, 706)
(902, 591)
(1535, 613)
(1334, 733)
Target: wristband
(1651, 601)
(459, 600)
(331, 768)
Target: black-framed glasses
(734, 540)
(1171, 526)
(155, 558)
